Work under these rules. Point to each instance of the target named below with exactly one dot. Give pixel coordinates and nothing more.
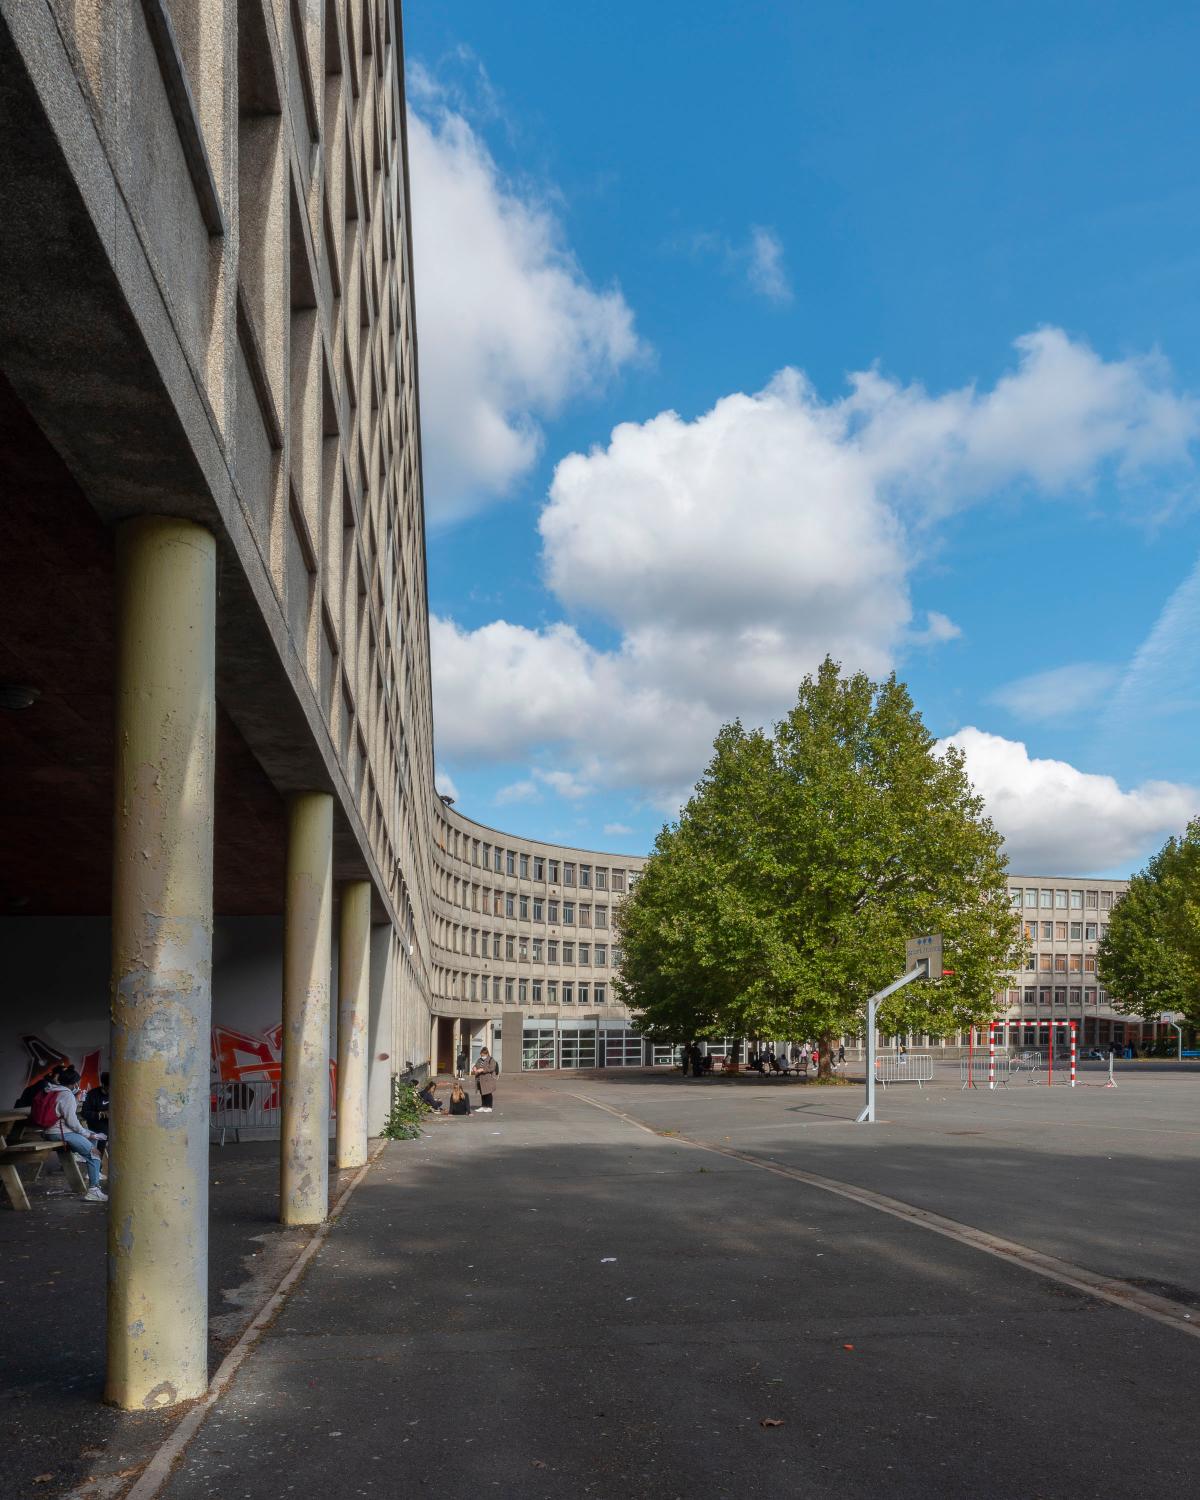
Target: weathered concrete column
(161, 995)
(307, 923)
(354, 1004)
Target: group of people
(485, 1073)
(55, 1108)
(800, 1057)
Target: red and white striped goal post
(1051, 1025)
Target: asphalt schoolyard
(641, 1285)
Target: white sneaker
(94, 1195)
(485, 1109)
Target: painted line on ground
(1091, 1283)
(162, 1465)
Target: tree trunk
(828, 1046)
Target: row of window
(1061, 963)
(1062, 900)
(538, 950)
(536, 866)
(537, 909)
(1062, 932)
(1062, 995)
(525, 991)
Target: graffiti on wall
(237, 1057)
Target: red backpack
(43, 1112)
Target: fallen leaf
(770, 1422)
(42, 1478)
(537, 1463)
(847, 1346)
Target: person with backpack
(54, 1113)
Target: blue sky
(624, 212)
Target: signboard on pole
(925, 951)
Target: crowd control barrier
(906, 1067)
(250, 1104)
(974, 1072)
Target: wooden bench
(17, 1153)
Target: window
(523, 950)
(1043, 962)
(1060, 932)
(1106, 900)
(1089, 931)
(475, 940)
(1060, 899)
(618, 883)
(1089, 963)
(568, 913)
(510, 862)
(1077, 900)
(523, 991)
(487, 856)
(1014, 897)
(474, 983)
(553, 871)
(585, 875)
(568, 874)
(497, 863)
(602, 916)
(539, 867)
(1075, 963)
(537, 991)
(538, 908)
(508, 992)
(497, 904)
(537, 1045)
(1089, 997)
(1030, 931)
(601, 955)
(1077, 932)
(585, 915)
(568, 992)
(552, 913)
(601, 879)
(622, 1049)
(552, 991)
(1030, 897)
(1047, 898)
(510, 948)
(585, 953)
(598, 994)
(1030, 999)
(1031, 961)
(1060, 963)
(568, 953)
(552, 951)
(1103, 931)
(524, 908)
(495, 945)
(537, 950)
(510, 905)
(616, 958)
(496, 988)
(1047, 931)
(1092, 897)
(583, 994)
(1060, 997)
(1043, 997)
(1076, 996)
(577, 1041)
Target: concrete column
(307, 927)
(354, 1003)
(161, 991)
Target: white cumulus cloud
(1050, 812)
(510, 328)
(730, 551)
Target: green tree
(784, 895)
(1149, 959)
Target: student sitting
(53, 1111)
(459, 1103)
(428, 1095)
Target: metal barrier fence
(908, 1067)
(973, 1072)
(251, 1104)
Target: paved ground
(548, 1301)
(52, 1318)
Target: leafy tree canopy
(783, 896)
(1150, 957)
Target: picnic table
(17, 1152)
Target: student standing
(485, 1071)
